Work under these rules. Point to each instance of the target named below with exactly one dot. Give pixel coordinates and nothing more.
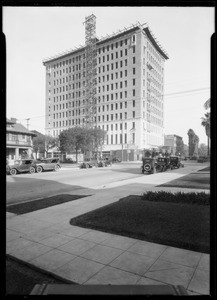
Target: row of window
(17, 137)
(154, 52)
(82, 56)
(102, 118)
(112, 46)
(118, 64)
(109, 107)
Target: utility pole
(27, 124)
(122, 148)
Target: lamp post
(122, 146)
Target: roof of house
(18, 128)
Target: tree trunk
(76, 154)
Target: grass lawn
(205, 169)
(21, 279)
(23, 208)
(193, 180)
(182, 225)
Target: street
(25, 187)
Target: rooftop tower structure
(90, 69)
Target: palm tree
(206, 123)
(207, 104)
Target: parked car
(202, 159)
(21, 166)
(115, 159)
(101, 163)
(47, 165)
(162, 164)
(89, 163)
(107, 161)
(175, 162)
(148, 165)
(70, 161)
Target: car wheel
(32, 170)
(56, 167)
(13, 171)
(39, 169)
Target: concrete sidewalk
(45, 239)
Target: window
(133, 137)
(134, 60)
(134, 81)
(134, 92)
(134, 71)
(134, 102)
(121, 139)
(134, 114)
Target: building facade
(18, 141)
(129, 91)
(171, 141)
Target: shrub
(179, 197)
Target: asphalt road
(25, 187)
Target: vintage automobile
(202, 159)
(148, 165)
(48, 164)
(162, 164)
(89, 163)
(116, 159)
(175, 162)
(21, 166)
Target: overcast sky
(35, 33)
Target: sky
(36, 33)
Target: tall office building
(129, 89)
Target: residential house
(18, 141)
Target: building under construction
(115, 83)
